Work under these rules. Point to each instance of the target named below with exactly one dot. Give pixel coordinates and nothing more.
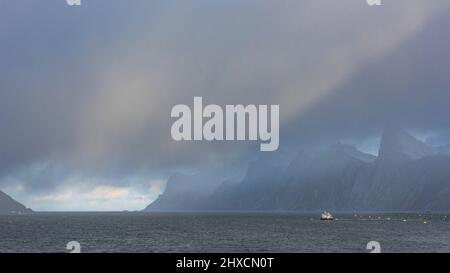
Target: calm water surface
(224, 232)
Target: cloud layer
(86, 93)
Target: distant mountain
(188, 192)
(181, 193)
(310, 182)
(398, 145)
(257, 190)
(11, 206)
(353, 152)
(444, 150)
(408, 175)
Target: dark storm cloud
(86, 93)
(409, 87)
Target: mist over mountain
(408, 175)
(186, 191)
(398, 145)
(444, 150)
(11, 206)
(85, 118)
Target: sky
(86, 92)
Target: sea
(224, 232)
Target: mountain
(398, 145)
(11, 206)
(182, 193)
(408, 175)
(189, 191)
(256, 191)
(325, 181)
(444, 150)
(353, 152)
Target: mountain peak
(397, 145)
(11, 206)
(351, 151)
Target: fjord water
(223, 232)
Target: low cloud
(96, 198)
(85, 103)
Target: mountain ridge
(408, 175)
(10, 206)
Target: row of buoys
(425, 219)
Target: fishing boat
(326, 216)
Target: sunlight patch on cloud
(98, 198)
